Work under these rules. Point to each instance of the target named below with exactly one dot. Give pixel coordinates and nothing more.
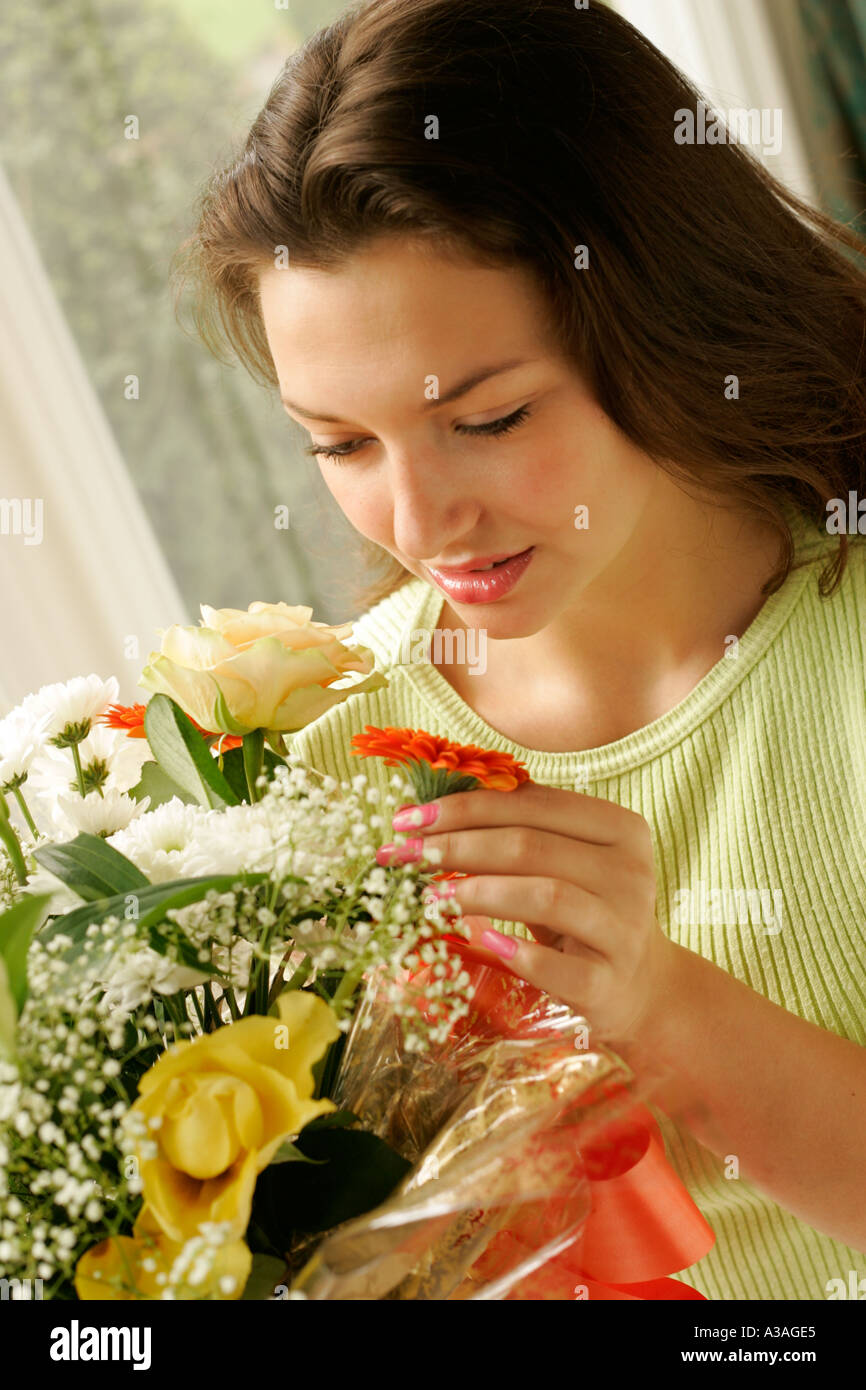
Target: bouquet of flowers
(238, 1058)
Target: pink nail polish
(444, 889)
(411, 817)
(505, 946)
(406, 853)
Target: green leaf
(192, 891)
(290, 1153)
(183, 754)
(156, 783)
(298, 1198)
(334, 1119)
(326, 1069)
(152, 903)
(8, 1015)
(233, 770)
(280, 742)
(267, 1272)
(17, 926)
(224, 718)
(92, 868)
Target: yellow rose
(221, 1105)
(267, 668)
(125, 1268)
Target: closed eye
(494, 429)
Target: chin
(504, 619)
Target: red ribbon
(642, 1227)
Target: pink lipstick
(483, 585)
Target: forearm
(786, 1098)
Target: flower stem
(300, 976)
(11, 841)
(26, 812)
(175, 1007)
(254, 752)
(76, 758)
(347, 985)
(229, 997)
(197, 1007)
(211, 1012)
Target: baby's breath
(104, 1006)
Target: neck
(689, 577)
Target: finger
(572, 980)
(589, 818)
(477, 925)
(555, 911)
(525, 850)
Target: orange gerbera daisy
(435, 765)
(128, 717)
(131, 718)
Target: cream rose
(267, 668)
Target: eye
(494, 429)
(498, 427)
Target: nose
(433, 504)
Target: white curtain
(736, 55)
(90, 593)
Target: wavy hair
(556, 130)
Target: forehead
(398, 305)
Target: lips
(479, 562)
(484, 586)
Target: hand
(580, 872)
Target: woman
(526, 327)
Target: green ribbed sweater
(755, 781)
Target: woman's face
(368, 357)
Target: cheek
(364, 505)
(585, 464)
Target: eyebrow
(461, 389)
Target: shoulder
(831, 627)
(850, 610)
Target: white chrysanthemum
(108, 757)
(111, 752)
(124, 756)
(235, 840)
(22, 735)
(74, 701)
(99, 815)
(164, 843)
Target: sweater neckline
(465, 725)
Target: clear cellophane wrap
(505, 1125)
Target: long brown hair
(514, 132)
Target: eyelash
(493, 429)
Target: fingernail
(410, 817)
(440, 890)
(504, 946)
(406, 853)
